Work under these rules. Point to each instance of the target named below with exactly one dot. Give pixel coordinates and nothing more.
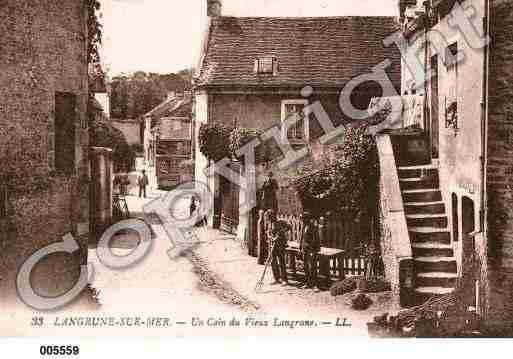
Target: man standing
(143, 182)
(269, 196)
(310, 246)
(277, 234)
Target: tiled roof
(325, 51)
(173, 107)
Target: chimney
(214, 8)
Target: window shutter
(256, 67)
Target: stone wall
(263, 110)
(394, 238)
(499, 304)
(43, 47)
(460, 149)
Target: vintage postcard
(256, 169)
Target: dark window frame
(65, 132)
(266, 65)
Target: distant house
(44, 181)
(130, 128)
(168, 141)
(101, 92)
(253, 70)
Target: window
(266, 65)
(65, 132)
(294, 124)
(451, 56)
(451, 98)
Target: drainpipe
(484, 125)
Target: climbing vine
(347, 185)
(94, 31)
(239, 137)
(264, 151)
(214, 141)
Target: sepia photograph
(235, 169)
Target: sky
(164, 36)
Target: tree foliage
(346, 185)
(214, 140)
(264, 152)
(94, 31)
(135, 95)
(103, 134)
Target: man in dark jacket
(269, 193)
(278, 237)
(142, 181)
(310, 247)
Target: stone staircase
(434, 262)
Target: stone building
(44, 177)
(253, 70)
(168, 141)
(461, 225)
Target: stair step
(417, 172)
(419, 183)
(427, 229)
(435, 264)
(436, 207)
(429, 234)
(434, 290)
(422, 195)
(438, 275)
(436, 279)
(427, 220)
(435, 259)
(432, 251)
(421, 190)
(431, 245)
(418, 167)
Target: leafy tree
(133, 96)
(103, 134)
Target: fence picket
(340, 232)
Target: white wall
(104, 100)
(201, 162)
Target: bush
(103, 134)
(347, 185)
(264, 152)
(239, 137)
(214, 141)
(374, 285)
(345, 286)
(137, 148)
(361, 302)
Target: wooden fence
(338, 233)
